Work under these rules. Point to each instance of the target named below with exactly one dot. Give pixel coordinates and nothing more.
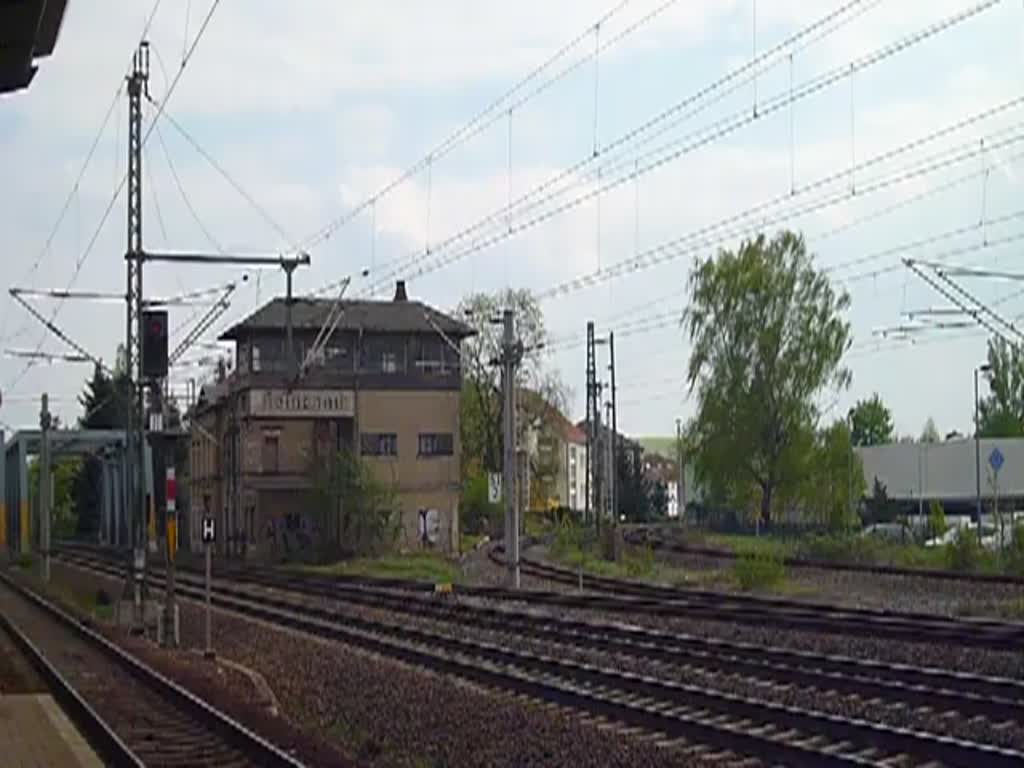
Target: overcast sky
(315, 105)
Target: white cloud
(314, 105)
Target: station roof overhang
(28, 31)
(70, 442)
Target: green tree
(64, 470)
(834, 480)
(1001, 412)
(355, 513)
(767, 335)
(105, 403)
(482, 407)
(879, 507)
(633, 487)
(871, 422)
(930, 433)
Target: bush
(1015, 552)
(477, 515)
(568, 540)
(638, 561)
(25, 560)
(936, 520)
(759, 571)
(964, 553)
(861, 550)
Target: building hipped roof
(375, 316)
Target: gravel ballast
(387, 713)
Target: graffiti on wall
(290, 535)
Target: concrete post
(45, 489)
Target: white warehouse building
(946, 472)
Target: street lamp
(984, 368)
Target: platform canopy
(71, 441)
(28, 31)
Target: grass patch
(759, 571)
(25, 561)
(417, 566)
(468, 541)
(741, 545)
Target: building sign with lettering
(302, 403)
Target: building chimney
(400, 294)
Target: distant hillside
(665, 446)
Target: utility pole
(289, 325)
(977, 453)
(591, 434)
(615, 433)
(609, 453)
(135, 257)
(599, 461)
(45, 488)
(511, 353)
(138, 85)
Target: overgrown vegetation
(1015, 552)
(759, 571)
(355, 514)
(25, 561)
(964, 553)
(937, 525)
(477, 514)
(638, 561)
(416, 566)
(861, 550)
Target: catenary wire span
(80, 261)
(73, 192)
(675, 114)
(809, 88)
(495, 111)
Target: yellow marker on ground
(444, 588)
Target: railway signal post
(209, 536)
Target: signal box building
(386, 388)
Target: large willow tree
(767, 335)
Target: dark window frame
(379, 444)
(435, 444)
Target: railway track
(130, 713)
(626, 596)
(649, 536)
(608, 595)
(699, 715)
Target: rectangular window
(379, 444)
(271, 452)
(430, 359)
(337, 358)
(389, 362)
(436, 444)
